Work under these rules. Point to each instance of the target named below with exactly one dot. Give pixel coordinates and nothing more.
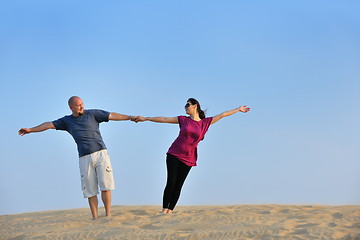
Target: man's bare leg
(93, 203)
(106, 198)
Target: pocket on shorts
(106, 181)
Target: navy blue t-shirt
(85, 130)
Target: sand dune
(197, 222)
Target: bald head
(76, 105)
(72, 100)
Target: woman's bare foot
(165, 211)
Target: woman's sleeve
(207, 123)
(181, 119)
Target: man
(94, 161)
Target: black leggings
(177, 172)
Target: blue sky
(295, 63)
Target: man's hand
(244, 109)
(24, 131)
(42, 127)
(133, 118)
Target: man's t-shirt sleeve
(59, 124)
(100, 115)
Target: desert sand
(196, 222)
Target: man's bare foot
(169, 211)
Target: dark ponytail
(193, 101)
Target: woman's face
(189, 108)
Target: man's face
(77, 107)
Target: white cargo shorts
(96, 172)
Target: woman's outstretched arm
(157, 119)
(243, 109)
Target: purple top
(191, 133)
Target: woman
(182, 154)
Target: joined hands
(137, 119)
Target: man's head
(76, 105)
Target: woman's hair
(193, 101)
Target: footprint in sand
(337, 215)
(105, 219)
(300, 231)
(150, 227)
(307, 225)
(284, 211)
(355, 226)
(139, 212)
(265, 212)
(332, 224)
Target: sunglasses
(187, 105)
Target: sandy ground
(196, 222)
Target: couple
(94, 161)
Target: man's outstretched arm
(40, 128)
(120, 117)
